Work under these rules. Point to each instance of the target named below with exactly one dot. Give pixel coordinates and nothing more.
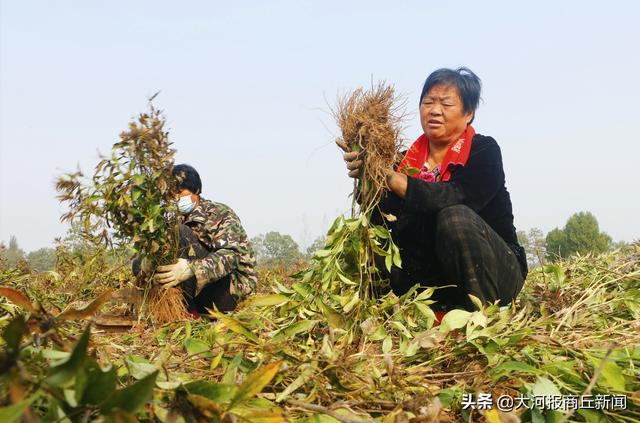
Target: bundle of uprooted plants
(370, 123)
(128, 203)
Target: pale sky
(247, 85)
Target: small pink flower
(426, 176)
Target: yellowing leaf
(492, 416)
(267, 300)
(18, 298)
(349, 306)
(254, 384)
(270, 416)
(90, 310)
(294, 329)
(234, 325)
(298, 382)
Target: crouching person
(216, 264)
(454, 219)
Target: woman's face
(442, 114)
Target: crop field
(320, 341)
(283, 356)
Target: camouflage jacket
(220, 230)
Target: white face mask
(185, 204)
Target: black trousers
(459, 248)
(215, 292)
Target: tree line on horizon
(580, 235)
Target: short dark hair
(187, 178)
(467, 83)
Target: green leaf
(544, 388)
(12, 335)
(611, 374)
(397, 259)
(425, 294)
(455, 319)
(388, 262)
(352, 302)
(139, 368)
(478, 318)
(411, 349)
(62, 374)
(592, 416)
(401, 328)
(294, 329)
(447, 395)
(301, 288)
(334, 319)
(387, 344)
(426, 311)
(218, 392)
(267, 300)
(381, 232)
(99, 384)
(322, 254)
(235, 326)
(131, 398)
(138, 179)
(13, 412)
(346, 280)
(509, 367)
(255, 383)
(231, 371)
(195, 346)
(297, 383)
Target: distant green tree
(556, 244)
(42, 260)
(274, 248)
(581, 234)
(619, 245)
(12, 255)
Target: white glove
(172, 275)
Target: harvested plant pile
(251, 367)
(128, 203)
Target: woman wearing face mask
(454, 223)
(216, 264)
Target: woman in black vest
(454, 223)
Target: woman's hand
(397, 183)
(352, 158)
